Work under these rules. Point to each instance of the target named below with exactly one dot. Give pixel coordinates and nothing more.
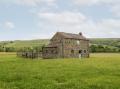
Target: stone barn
(67, 45)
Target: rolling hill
(97, 43)
(24, 43)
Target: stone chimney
(80, 33)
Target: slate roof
(72, 36)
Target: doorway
(80, 53)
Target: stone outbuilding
(67, 45)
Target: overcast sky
(40, 19)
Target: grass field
(101, 71)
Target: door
(80, 53)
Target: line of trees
(13, 49)
(93, 49)
(31, 49)
(7, 49)
(102, 48)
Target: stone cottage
(67, 45)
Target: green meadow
(100, 71)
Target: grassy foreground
(101, 71)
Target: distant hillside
(18, 44)
(106, 41)
(27, 43)
(96, 44)
(105, 45)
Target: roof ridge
(72, 35)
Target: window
(46, 51)
(69, 41)
(72, 51)
(85, 51)
(78, 42)
(80, 51)
(52, 51)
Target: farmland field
(100, 71)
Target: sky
(41, 19)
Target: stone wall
(29, 54)
(50, 52)
(73, 47)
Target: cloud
(93, 2)
(28, 2)
(63, 18)
(8, 25)
(85, 2)
(114, 5)
(116, 10)
(35, 2)
(110, 24)
(77, 22)
(41, 36)
(0, 24)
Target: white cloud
(35, 2)
(8, 25)
(116, 10)
(29, 2)
(92, 2)
(63, 18)
(85, 2)
(110, 24)
(76, 22)
(0, 24)
(114, 5)
(41, 36)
